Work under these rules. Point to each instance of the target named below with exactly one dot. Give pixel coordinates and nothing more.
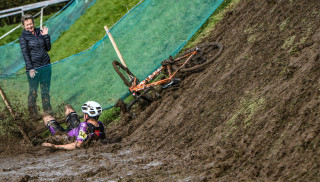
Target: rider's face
(28, 25)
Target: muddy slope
(251, 115)
(254, 113)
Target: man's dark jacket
(34, 49)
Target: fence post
(41, 18)
(115, 46)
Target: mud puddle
(89, 164)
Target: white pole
(115, 46)
(41, 18)
(37, 14)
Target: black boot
(72, 121)
(54, 127)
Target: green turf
(88, 29)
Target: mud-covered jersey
(87, 130)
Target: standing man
(35, 44)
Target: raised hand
(44, 31)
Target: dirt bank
(251, 115)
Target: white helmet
(92, 108)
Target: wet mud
(251, 115)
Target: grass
(243, 115)
(284, 24)
(88, 29)
(289, 42)
(248, 108)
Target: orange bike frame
(136, 87)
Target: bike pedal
(173, 83)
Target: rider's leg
(72, 118)
(52, 125)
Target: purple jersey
(82, 132)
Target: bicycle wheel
(124, 73)
(205, 55)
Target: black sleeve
(103, 135)
(47, 43)
(25, 52)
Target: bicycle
(191, 60)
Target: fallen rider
(77, 133)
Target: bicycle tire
(204, 49)
(118, 67)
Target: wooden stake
(13, 115)
(115, 46)
(7, 103)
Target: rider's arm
(102, 132)
(70, 146)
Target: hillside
(253, 114)
(250, 115)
